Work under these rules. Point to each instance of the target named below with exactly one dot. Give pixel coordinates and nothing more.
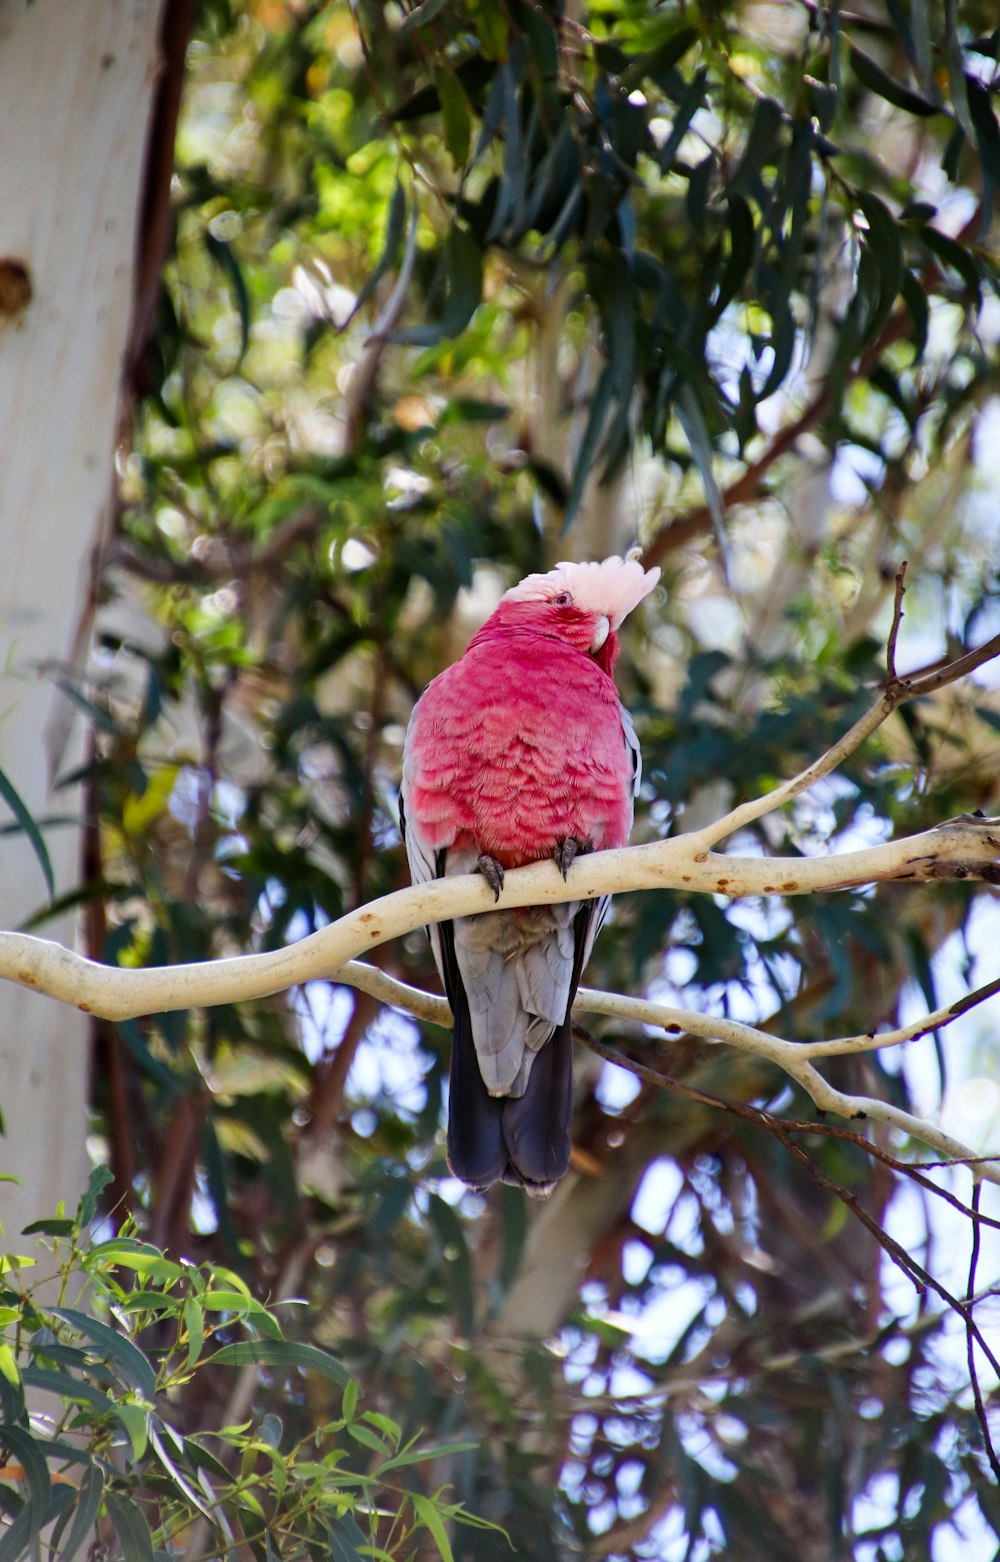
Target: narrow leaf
(344, 1539)
(131, 1529)
(88, 1505)
(13, 800)
(283, 1353)
(29, 1454)
(223, 255)
(421, 15)
(875, 79)
(429, 1516)
(455, 114)
(390, 248)
(116, 1349)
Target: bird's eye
(562, 600)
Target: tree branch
(964, 848)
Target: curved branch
(964, 848)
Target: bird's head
(583, 604)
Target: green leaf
(88, 1505)
(131, 1528)
(988, 141)
(73, 1390)
(693, 422)
(24, 818)
(135, 1420)
(367, 1438)
(49, 1228)
(956, 256)
(463, 269)
(916, 302)
(180, 1481)
(224, 256)
(194, 1324)
(886, 245)
(660, 60)
(421, 1455)
(429, 1516)
(28, 1453)
(390, 248)
(282, 1353)
(875, 79)
(350, 1403)
(741, 249)
(15, 1541)
(8, 1364)
(582, 465)
(456, 115)
(130, 1254)
(116, 1349)
(344, 1537)
(421, 15)
(99, 1179)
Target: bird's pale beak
(602, 628)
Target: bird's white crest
(612, 587)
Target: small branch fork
(786, 1131)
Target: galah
(519, 751)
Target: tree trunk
(77, 84)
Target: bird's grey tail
(524, 1140)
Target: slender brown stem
(784, 1131)
(970, 1337)
(897, 618)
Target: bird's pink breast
(517, 746)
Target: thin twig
(970, 1338)
(897, 619)
(780, 1130)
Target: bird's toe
(492, 872)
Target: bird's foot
(568, 850)
(492, 872)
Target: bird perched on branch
(520, 751)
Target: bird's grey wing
(634, 754)
(425, 863)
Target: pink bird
(522, 750)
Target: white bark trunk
(76, 89)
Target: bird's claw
(492, 872)
(568, 850)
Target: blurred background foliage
(453, 292)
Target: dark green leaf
(16, 1542)
(283, 1353)
(28, 1451)
(224, 256)
(72, 1389)
(659, 60)
(393, 235)
(456, 116)
(421, 15)
(956, 256)
(13, 800)
(99, 1179)
(116, 1349)
(741, 247)
(344, 1538)
(463, 267)
(875, 79)
(600, 402)
(131, 1528)
(88, 1504)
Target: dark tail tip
(536, 1125)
